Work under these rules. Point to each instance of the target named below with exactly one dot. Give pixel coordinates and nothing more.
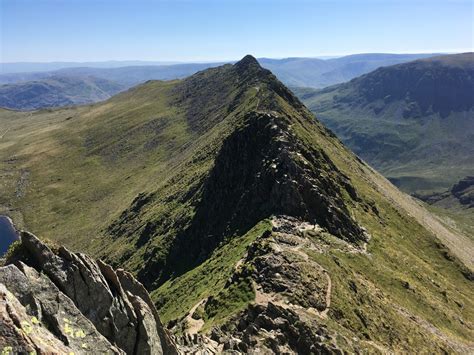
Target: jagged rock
(46, 318)
(83, 303)
(274, 329)
(273, 173)
(17, 333)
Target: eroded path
(194, 325)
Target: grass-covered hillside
(251, 224)
(57, 91)
(413, 122)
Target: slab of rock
(75, 303)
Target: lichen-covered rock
(45, 318)
(76, 302)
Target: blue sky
(205, 30)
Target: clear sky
(206, 30)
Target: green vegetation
(413, 122)
(174, 181)
(177, 296)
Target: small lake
(8, 234)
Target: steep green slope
(57, 91)
(414, 122)
(250, 222)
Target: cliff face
(64, 302)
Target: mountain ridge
(194, 194)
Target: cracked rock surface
(64, 302)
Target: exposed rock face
(273, 329)
(275, 173)
(67, 302)
(292, 296)
(263, 169)
(464, 191)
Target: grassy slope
(439, 152)
(413, 122)
(83, 166)
(78, 180)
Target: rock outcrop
(292, 297)
(63, 302)
(461, 193)
(464, 191)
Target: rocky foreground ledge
(63, 302)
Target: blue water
(8, 234)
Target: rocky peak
(248, 63)
(67, 302)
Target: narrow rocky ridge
(259, 166)
(292, 296)
(263, 169)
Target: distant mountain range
(318, 73)
(57, 91)
(414, 122)
(23, 67)
(305, 72)
(128, 75)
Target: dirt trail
(324, 313)
(194, 325)
(264, 298)
(459, 244)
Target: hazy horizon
(172, 62)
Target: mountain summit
(251, 224)
(247, 63)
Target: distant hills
(128, 75)
(414, 122)
(299, 72)
(305, 72)
(23, 67)
(57, 91)
(318, 73)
